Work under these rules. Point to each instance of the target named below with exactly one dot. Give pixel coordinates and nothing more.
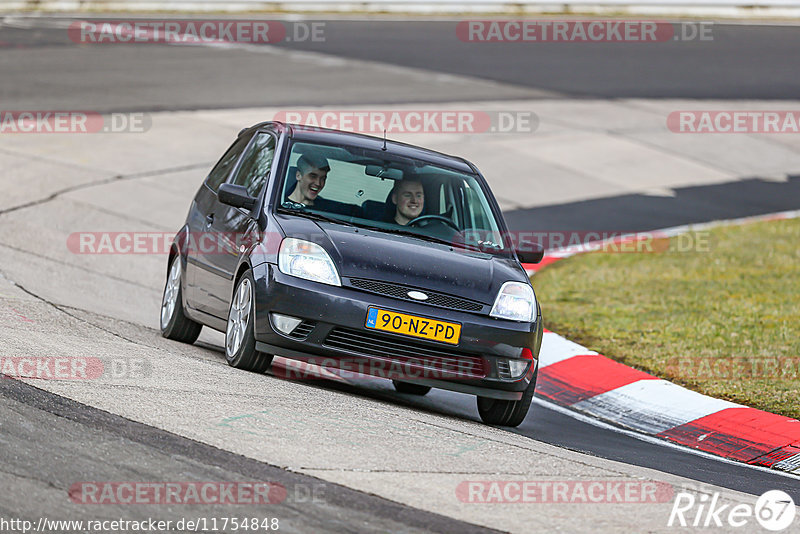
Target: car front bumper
(333, 330)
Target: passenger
(312, 172)
(409, 197)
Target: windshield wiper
(434, 239)
(494, 251)
(317, 216)
(424, 237)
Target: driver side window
(256, 165)
(222, 169)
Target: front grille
(302, 330)
(401, 292)
(447, 363)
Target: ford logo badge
(417, 295)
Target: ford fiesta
(322, 245)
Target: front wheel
(504, 412)
(174, 323)
(240, 342)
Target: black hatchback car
(338, 248)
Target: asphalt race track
(381, 461)
(742, 62)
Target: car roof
(320, 135)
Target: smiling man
(409, 197)
(312, 172)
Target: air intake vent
(303, 329)
(447, 363)
(401, 292)
(503, 369)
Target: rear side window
(224, 166)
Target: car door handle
(209, 220)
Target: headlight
(516, 302)
(308, 260)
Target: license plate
(411, 325)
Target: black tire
(410, 389)
(246, 356)
(504, 412)
(177, 326)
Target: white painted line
(652, 406)
(556, 348)
(653, 440)
(791, 464)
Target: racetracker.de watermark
(72, 122)
(374, 121)
(563, 491)
(225, 243)
(411, 369)
(74, 367)
(578, 241)
(137, 243)
(194, 32)
(177, 493)
(731, 122)
(194, 492)
(735, 367)
(582, 31)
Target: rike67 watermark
(774, 511)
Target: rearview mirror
(389, 173)
(528, 252)
(236, 196)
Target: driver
(409, 197)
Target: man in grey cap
(312, 172)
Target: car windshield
(389, 193)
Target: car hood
(405, 260)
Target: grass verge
(721, 318)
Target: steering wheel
(439, 218)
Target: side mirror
(529, 252)
(236, 196)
